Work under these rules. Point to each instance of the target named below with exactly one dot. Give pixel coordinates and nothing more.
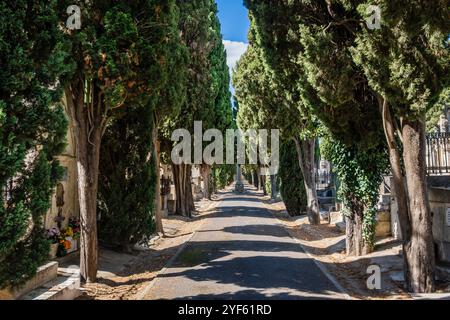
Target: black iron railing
(438, 153)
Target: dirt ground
(144, 265)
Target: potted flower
(53, 235)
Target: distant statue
(60, 204)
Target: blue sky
(234, 19)
(235, 24)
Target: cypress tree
(204, 86)
(333, 87)
(223, 113)
(126, 197)
(120, 57)
(290, 178)
(32, 132)
(407, 63)
(129, 175)
(292, 97)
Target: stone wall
(440, 208)
(65, 198)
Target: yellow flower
(69, 232)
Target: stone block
(336, 217)
(443, 251)
(384, 216)
(45, 273)
(61, 288)
(383, 229)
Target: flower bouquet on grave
(65, 242)
(54, 235)
(74, 223)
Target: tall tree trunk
(88, 135)
(412, 199)
(183, 188)
(350, 233)
(355, 243)
(273, 186)
(306, 158)
(420, 249)
(397, 172)
(399, 185)
(259, 181)
(156, 162)
(206, 173)
(262, 179)
(255, 179)
(190, 193)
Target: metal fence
(438, 153)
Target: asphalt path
(242, 252)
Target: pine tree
(32, 132)
(172, 97)
(399, 69)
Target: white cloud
(234, 52)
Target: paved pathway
(243, 252)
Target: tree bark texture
(412, 199)
(420, 247)
(156, 162)
(183, 188)
(306, 158)
(88, 131)
(206, 174)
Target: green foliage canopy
(32, 132)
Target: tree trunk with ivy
(359, 233)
